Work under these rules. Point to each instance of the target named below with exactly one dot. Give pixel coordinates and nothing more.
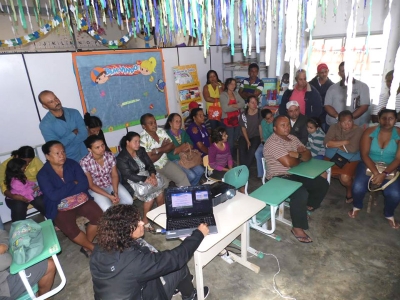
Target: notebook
(186, 208)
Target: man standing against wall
(322, 83)
(63, 124)
(336, 96)
(252, 86)
(307, 97)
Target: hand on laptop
(203, 228)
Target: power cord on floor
(273, 279)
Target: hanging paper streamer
(280, 32)
(268, 35)
(395, 82)
(369, 26)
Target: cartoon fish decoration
(151, 79)
(151, 106)
(160, 85)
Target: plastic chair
(207, 169)
(50, 249)
(238, 177)
(25, 296)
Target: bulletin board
(118, 87)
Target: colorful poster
(120, 87)
(188, 86)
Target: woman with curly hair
(125, 266)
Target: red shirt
(299, 97)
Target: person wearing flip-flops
(283, 151)
(379, 144)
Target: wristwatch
(299, 156)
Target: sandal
(393, 223)
(86, 252)
(149, 228)
(353, 213)
(349, 199)
(302, 239)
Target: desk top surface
(228, 216)
(276, 190)
(311, 168)
(51, 246)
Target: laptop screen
(188, 201)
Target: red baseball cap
(321, 67)
(194, 104)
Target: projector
(221, 191)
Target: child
(315, 138)
(16, 180)
(267, 129)
(219, 154)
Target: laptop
(186, 208)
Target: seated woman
(379, 144)
(182, 143)
(15, 202)
(65, 193)
(198, 132)
(219, 154)
(100, 167)
(135, 165)
(211, 91)
(138, 270)
(250, 132)
(93, 125)
(344, 138)
(157, 144)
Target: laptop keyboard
(190, 223)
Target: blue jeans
(194, 174)
(360, 187)
(1, 224)
(233, 135)
(259, 156)
(103, 202)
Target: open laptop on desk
(186, 208)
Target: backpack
(26, 241)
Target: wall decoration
(188, 87)
(118, 87)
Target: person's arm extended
(162, 263)
(166, 146)
(360, 111)
(49, 134)
(16, 197)
(331, 111)
(337, 144)
(365, 145)
(80, 125)
(206, 95)
(396, 161)
(224, 100)
(246, 137)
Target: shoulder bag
(190, 159)
(392, 177)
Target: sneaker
(206, 293)
(177, 292)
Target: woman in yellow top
(211, 92)
(17, 203)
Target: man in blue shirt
(63, 124)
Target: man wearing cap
(189, 120)
(298, 122)
(252, 86)
(336, 98)
(63, 124)
(322, 83)
(306, 95)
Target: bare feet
(393, 223)
(300, 235)
(353, 213)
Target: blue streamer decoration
(280, 37)
(119, 19)
(303, 28)
(136, 16)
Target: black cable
(158, 216)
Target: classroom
(126, 62)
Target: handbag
(190, 159)
(142, 189)
(26, 241)
(381, 166)
(72, 201)
(339, 160)
(215, 111)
